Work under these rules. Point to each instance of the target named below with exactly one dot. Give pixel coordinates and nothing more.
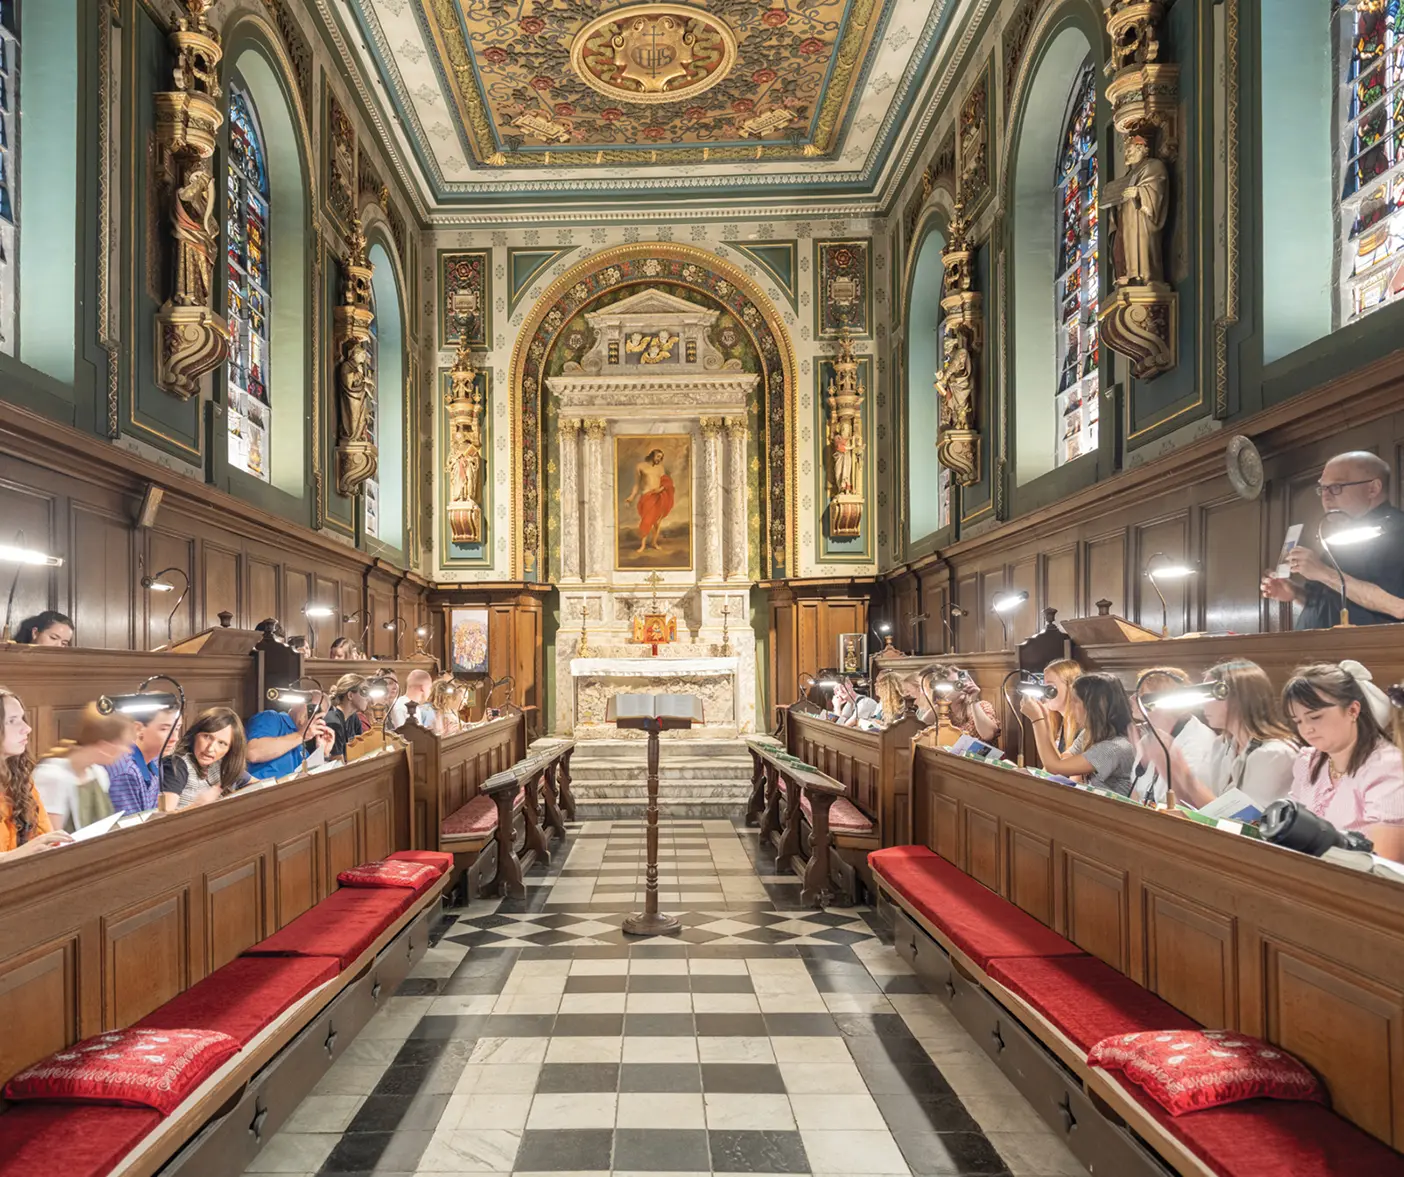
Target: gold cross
(655, 580)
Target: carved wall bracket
(1139, 318)
(191, 339)
(957, 438)
(357, 457)
(844, 442)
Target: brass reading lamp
(1005, 604)
(156, 583)
(956, 611)
(292, 695)
(1185, 698)
(362, 616)
(509, 682)
(315, 613)
(1171, 570)
(1347, 537)
(943, 690)
(16, 553)
(146, 703)
(397, 627)
(1031, 686)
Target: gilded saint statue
(847, 451)
(1140, 201)
(355, 386)
(465, 464)
(194, 228)
(955, 382)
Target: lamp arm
(1340, 572)
(1164, 606)
(14, 584)
(180, 694)
(1149, 799)
(1018, 715)
(148, 581)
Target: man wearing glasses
(1355, 485)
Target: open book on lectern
(624, 707)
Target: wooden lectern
(653, 714)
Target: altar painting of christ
(653, 502)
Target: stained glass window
(250, 304)
(9, 174)
(1371, 116)
(1075, 286)
(371, 487)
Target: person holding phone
(279, 741)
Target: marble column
(597, 501)
(569, 433)
(709, 564)
(736, 512)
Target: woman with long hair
(1254, 750)
(1060, 675)
(210, 761)
(350, 700)
(1099, 704)
(1350, 773)
(24, 824)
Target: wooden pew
(1235, 932)
(528, 816)
(56, 684)
(808, 851)
(988, 668)
(96, 935)
(874, 768)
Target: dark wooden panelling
(234, 911)
(378, 830)
(147, 956)
(38, 1003)
(343, 845)
(1169, 536)
(296, 878)
(969, 631)
(103, 604)
(223, 584)
(1228, 596)
(167, 550)
(1191, 957)
(265, 599)
(945, 838)
(982, 846)
(1029, 859)
(1096, 908)
(1060, 582)
(1104, 572)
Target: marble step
(666, 788)
(677, 808)
(698, 770)
(633, 751)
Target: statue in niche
(465, 467)
(955, 382)
(355, 385)
(1140, 202)
(846, 448)
(194, 228)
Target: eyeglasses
(1329, 490)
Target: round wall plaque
(653, 53)
(1245, 467)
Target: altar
(594, 681)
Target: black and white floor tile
(768, 1038)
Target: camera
(1286, 823)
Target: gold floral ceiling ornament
(652, 53)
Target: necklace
(1333, 772)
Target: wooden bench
(796, 820)
(511, 822)
(1048, 917)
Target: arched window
(1371, 150)
(9, 173)
(928, 482)
(385, 511)
(370, 489)
(250, 302)
(1076, 286)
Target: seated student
(1060, 675)
(1349, 774)
(970, 715)
(350, 699)
(279, 741)
(24, 824)
(1254, 750)
(298, 644)
(1180, 731)
(344, 650)
(853, 709)
(418, 687)
(136, 777)
(72, 779)
(446, 702)
(1098, 704)
(209, 762)
(48, 628)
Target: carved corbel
(191, 339)
(1140, 316)
(464, 404)
(357, 457)
(843, 439)
(962, 336)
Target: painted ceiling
(563, 98)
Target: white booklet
(1234, 805)
(102, 826)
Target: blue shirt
(274, 724)
(135, 783)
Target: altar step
(700, 778)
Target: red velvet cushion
(1186, 1070)
(343, 925)
(1269, 1138)
(71, 1140)
(477, 818)
(1085, 998)
(416, 876)
(977, 921)
(435, 858)
(244, 996)
(844, 816)
(129, 1068)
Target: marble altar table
(594, 681)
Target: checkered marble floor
(768, 1038)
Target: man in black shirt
(1357, 486)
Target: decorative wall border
(644, 264)
(482, 331)
(861, 324)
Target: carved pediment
(652, 302)
(651, 333)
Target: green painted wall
(923, 360)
